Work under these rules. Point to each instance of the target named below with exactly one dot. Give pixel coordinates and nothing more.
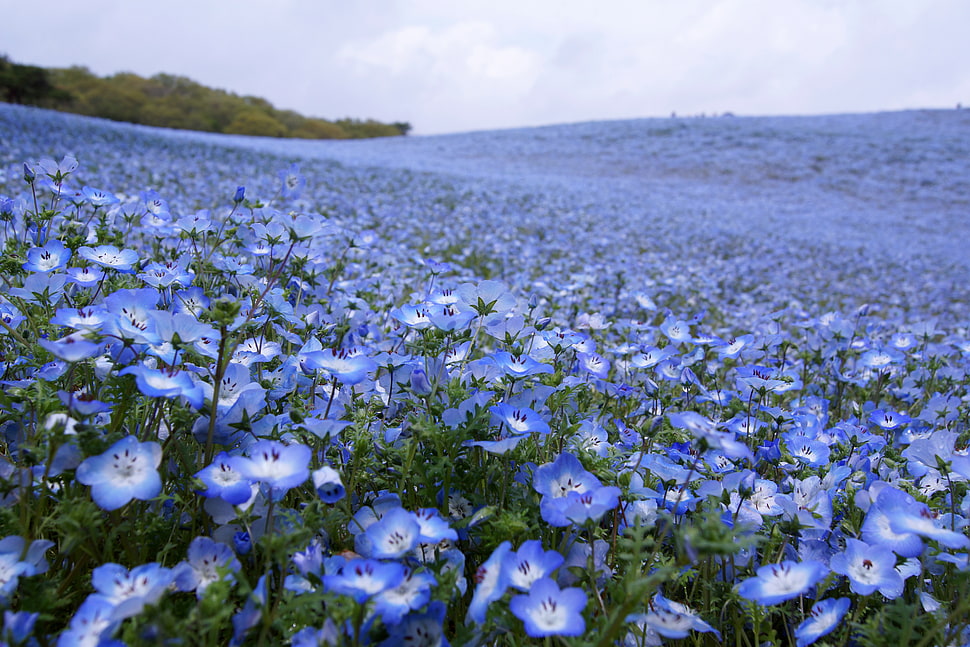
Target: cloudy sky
(457, 65)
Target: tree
(254, 122)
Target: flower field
(665, 381)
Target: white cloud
(499, 63)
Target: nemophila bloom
(18, 628)
(824, 617)
(548, 611)
(292, 182)
(255, 351)
(71, 348)
(413, 316)
(519, 366)
(577, 507)
(811, 452)
(10, 316)
(759, 378)
(128, 470)
(166, 383)
(492, 581)
(650, 356)
(898, 522)
(51, 257)
(279, 466)
(41, 288)
(925, 454)
(393, 536)
(98, 197)
(562, 476)
(130, 591)
(486, 297)
(530, 563)
(85, 277)
(420, 628)
(133, 315)
(110, 257)
(195, 224)
(518, 420)
(881, 358)
(450, 318)
(328, 484)
(433, 527)
(562, 339)
(676, 330)
(166, 274)
(224, 479)
(888, 419)
(329, 634)
(92, 624)
(732, 348)
(201, 569)
(776, 583)
(348, 366)
(361, 579)
(591, 437)
(237, 387)
(868, 569)
(594, 364)
(82, 403)
(414, 591)
(674, 620)
(192, 301)
(90, 318)
(11, 569)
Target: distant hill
(171, 102)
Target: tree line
(172, 101)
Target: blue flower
(518, 366)
(776, 583)
(492, 581)
(868, 569)
(562, 476)
(51, 257)
(518, 420)
(128, 470)
(291, 182)
(548, 611)
(414, 591)
(673, 620)
(329, 486)
(348, 366)
(279, 466)
(362, 579)
(420, 628)
(130, 591)
(579, 507)
(98, 198)
(530, 563)
(205, 558)
(91, 624)
(224, 479)
(71, 348)
(18, 628)
(823, 619)
(110, 257)
(393, 536)
(166, 383)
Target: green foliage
(28, 84)
(170, 101)
(254, 122)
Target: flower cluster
(353, 404)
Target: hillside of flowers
(667, 381)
